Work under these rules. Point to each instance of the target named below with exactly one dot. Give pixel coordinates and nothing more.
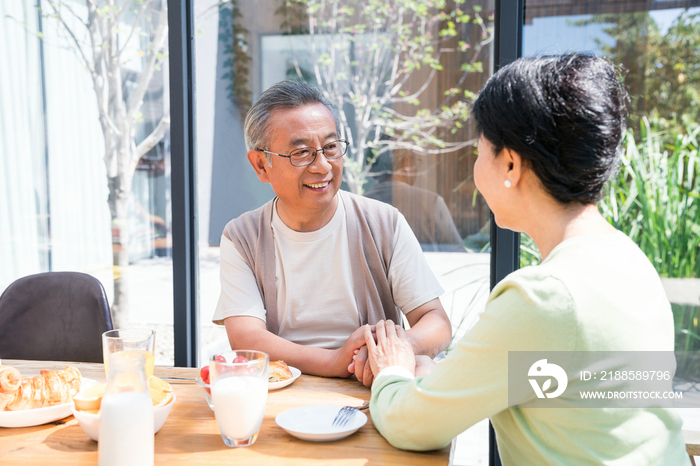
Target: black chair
(54, 316)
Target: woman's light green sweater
(592, 293)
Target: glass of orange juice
(130, 341)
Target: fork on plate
(346, 413)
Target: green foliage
(655, 198)
(379, 59)
(294, 17)
(529, 253)
(663, 70)
(234, 35)
(686, 319)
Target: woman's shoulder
(604, 288)
(529, 310)
(535, 293)
(534, 283)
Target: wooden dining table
(190, 434)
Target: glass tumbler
(130, 341)
(239, 384)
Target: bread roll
(48, 389)
(10, 380)
(279, 371)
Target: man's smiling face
(307, 195)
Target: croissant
(279, 371)
(48, 389)
(10, 380)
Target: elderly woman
(550, 130)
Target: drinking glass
(239, 383)
(130, 341)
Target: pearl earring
(507, 183)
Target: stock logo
(543, 369)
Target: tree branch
(73, 13)
(72, 35)
(152, 139)
(147, 73)
(134, 25)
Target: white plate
(277, 385)
(315, 423)
(39, 416)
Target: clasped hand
(360, 365)
(392, 347)
(385, 344)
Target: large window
(84, 153)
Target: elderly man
(302, 274)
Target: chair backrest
(57, 316)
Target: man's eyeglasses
(306, 155)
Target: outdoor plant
(529, 254)
(655, 199)
(378, 62)
(234, 36)
(665, 82)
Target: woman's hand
(391, 349)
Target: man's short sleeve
(411, 280)
(239, 290)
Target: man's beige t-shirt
(315, 289)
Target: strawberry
(204, 374)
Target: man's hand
(360, 366)
(393, 348)
(341, 361)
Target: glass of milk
(239, 383)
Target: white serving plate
(315, 423)
(39, 416)
(277, 385)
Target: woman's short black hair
(565, 116)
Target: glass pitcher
(126, 416)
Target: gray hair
(283, 95)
